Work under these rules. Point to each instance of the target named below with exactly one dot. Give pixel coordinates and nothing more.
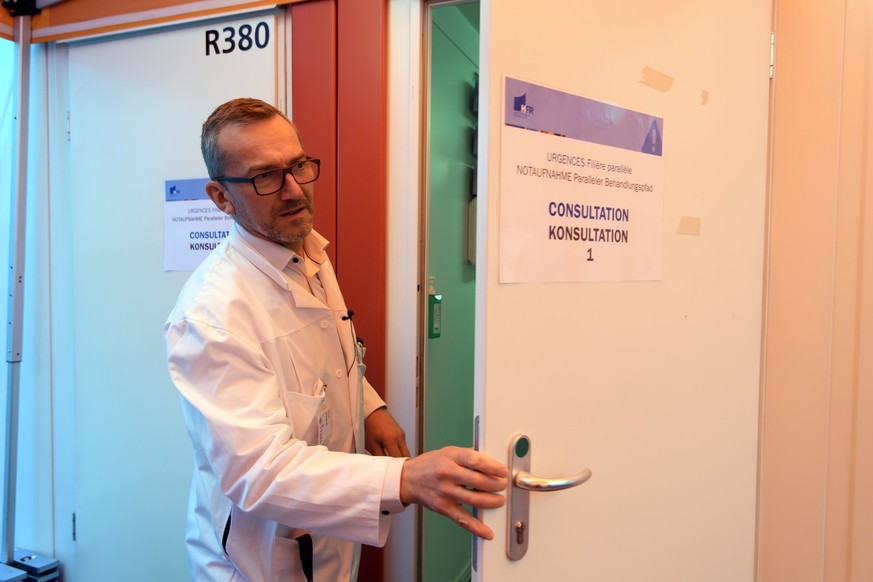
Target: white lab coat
(255, 375)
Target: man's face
(284, 217)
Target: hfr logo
(520, 105)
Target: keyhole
(519, 532)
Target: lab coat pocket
(306, 413)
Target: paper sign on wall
(580, 189)
(193, 226)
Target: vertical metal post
(16, 279)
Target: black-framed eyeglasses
(271, 181)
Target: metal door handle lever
(525, 480)
(518, 498)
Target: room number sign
(244, 37)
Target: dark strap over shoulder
(304, 543)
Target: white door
(136, 104)
(653, 385)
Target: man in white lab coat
(263, 352)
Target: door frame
(404, 185)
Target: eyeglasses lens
(271, 182)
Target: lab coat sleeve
(239, 427)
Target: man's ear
(219, 196)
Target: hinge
(772, 53)
(74, 526)
(69, 128)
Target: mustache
(295, 206)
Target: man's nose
(291, 189)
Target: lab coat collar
(277, 255)
(271, 258)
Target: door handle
(522, 483)
(530, 482)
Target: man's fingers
(481, 482)
(448, 479)
(471, 524)
(480, 499)
(384, 437)
(480, 472)
(481, 463)
(391, 449)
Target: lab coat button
(339, 373)
(324, 324)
